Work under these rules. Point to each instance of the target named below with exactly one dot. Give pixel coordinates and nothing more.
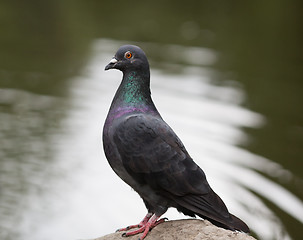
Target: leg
(145, 228)
(142, 223)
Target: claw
(146, 225)
(142, 223)
(145, 228)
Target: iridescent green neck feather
(134, 92)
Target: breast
(112, 154)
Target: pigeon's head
(129, 57)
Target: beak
(111, 64)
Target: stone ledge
(189, 229)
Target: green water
(255, 47)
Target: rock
(189, 229)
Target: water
(226, 77)
(57, 184)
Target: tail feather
(212, 208)
(239, 225)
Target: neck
(133, 94)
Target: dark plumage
(146, 153)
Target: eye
(128, 55)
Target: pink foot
(142, 223)
(145, 228)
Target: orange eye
(128, 55)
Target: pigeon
(146, 153)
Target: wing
(153, 154)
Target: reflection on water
(57, 184)
(25, 153)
